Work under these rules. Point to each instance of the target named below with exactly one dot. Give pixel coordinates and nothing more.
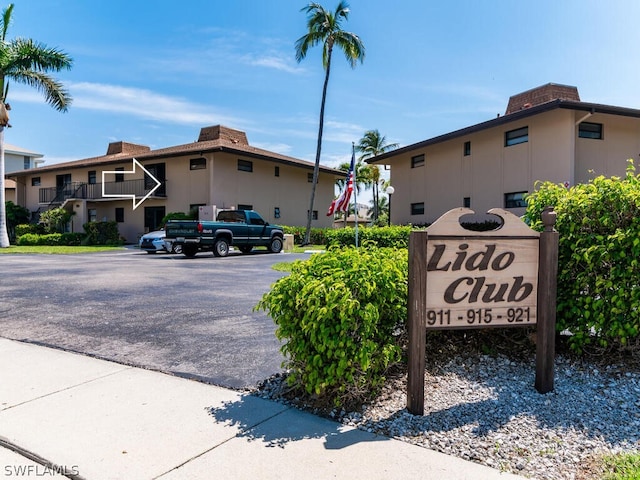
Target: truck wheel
(245, 249)
(221, 247)
(176, 249)
(189, 251)
(276, 245)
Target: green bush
(24, 228)
(55, 220)
(15, 215)
(340, 315)
(599, 257)
(33, 239)
(52, 239)
(317, 235)
(396, 236)
(177, 216)
(72, 238)
(101, 233)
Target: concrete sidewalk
(92, 419)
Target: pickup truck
(244, 229)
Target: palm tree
(381, 208)
(325, 27)
(372, 145)
(28, 62)
(361, 174)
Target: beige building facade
(220, 170)
(546, 134)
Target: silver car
(153, 242)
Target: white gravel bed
(485, 409)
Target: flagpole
(355, 189)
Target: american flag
(341, 204)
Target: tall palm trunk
(4, 236)
(316, 167)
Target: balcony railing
(93, 191)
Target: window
(245, 165)
(314, 215)
(467, 149)
(93, 214)
(466, 202)
(119, 214)
(417, 161)
(514, 137)
(27, 162)
(310, 177)
(276, 212)
(417, 208)
(590, 130)
(244, 207)
(35, 181)
(277, 171)
(91, 177)
(255, 219)
(198, 163)
(120, 176)
(514, 200)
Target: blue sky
(155, 72)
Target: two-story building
(546, 134)
(18, 158)
(220, 169)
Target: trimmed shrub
(340, 315)
(52, 239)
(101, 233)
(72, 238)
(396, 237)
(25, 228)
(317, 236)
(599, 257)
(33, 239)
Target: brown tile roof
(212, 139)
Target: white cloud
(136, 102)
(277, 62)
(281, 148)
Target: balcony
(93, 191)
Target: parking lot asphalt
(190, 317)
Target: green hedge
(31, 239)
(340, 315)
(317, 237)
(599, 257)
(396, 237)
(25, 228)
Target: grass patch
(625, 466)
(299, 249)
(282, 266)
(56, 250)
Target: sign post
(464, 279)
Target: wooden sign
(464, 279)
(481, 279)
